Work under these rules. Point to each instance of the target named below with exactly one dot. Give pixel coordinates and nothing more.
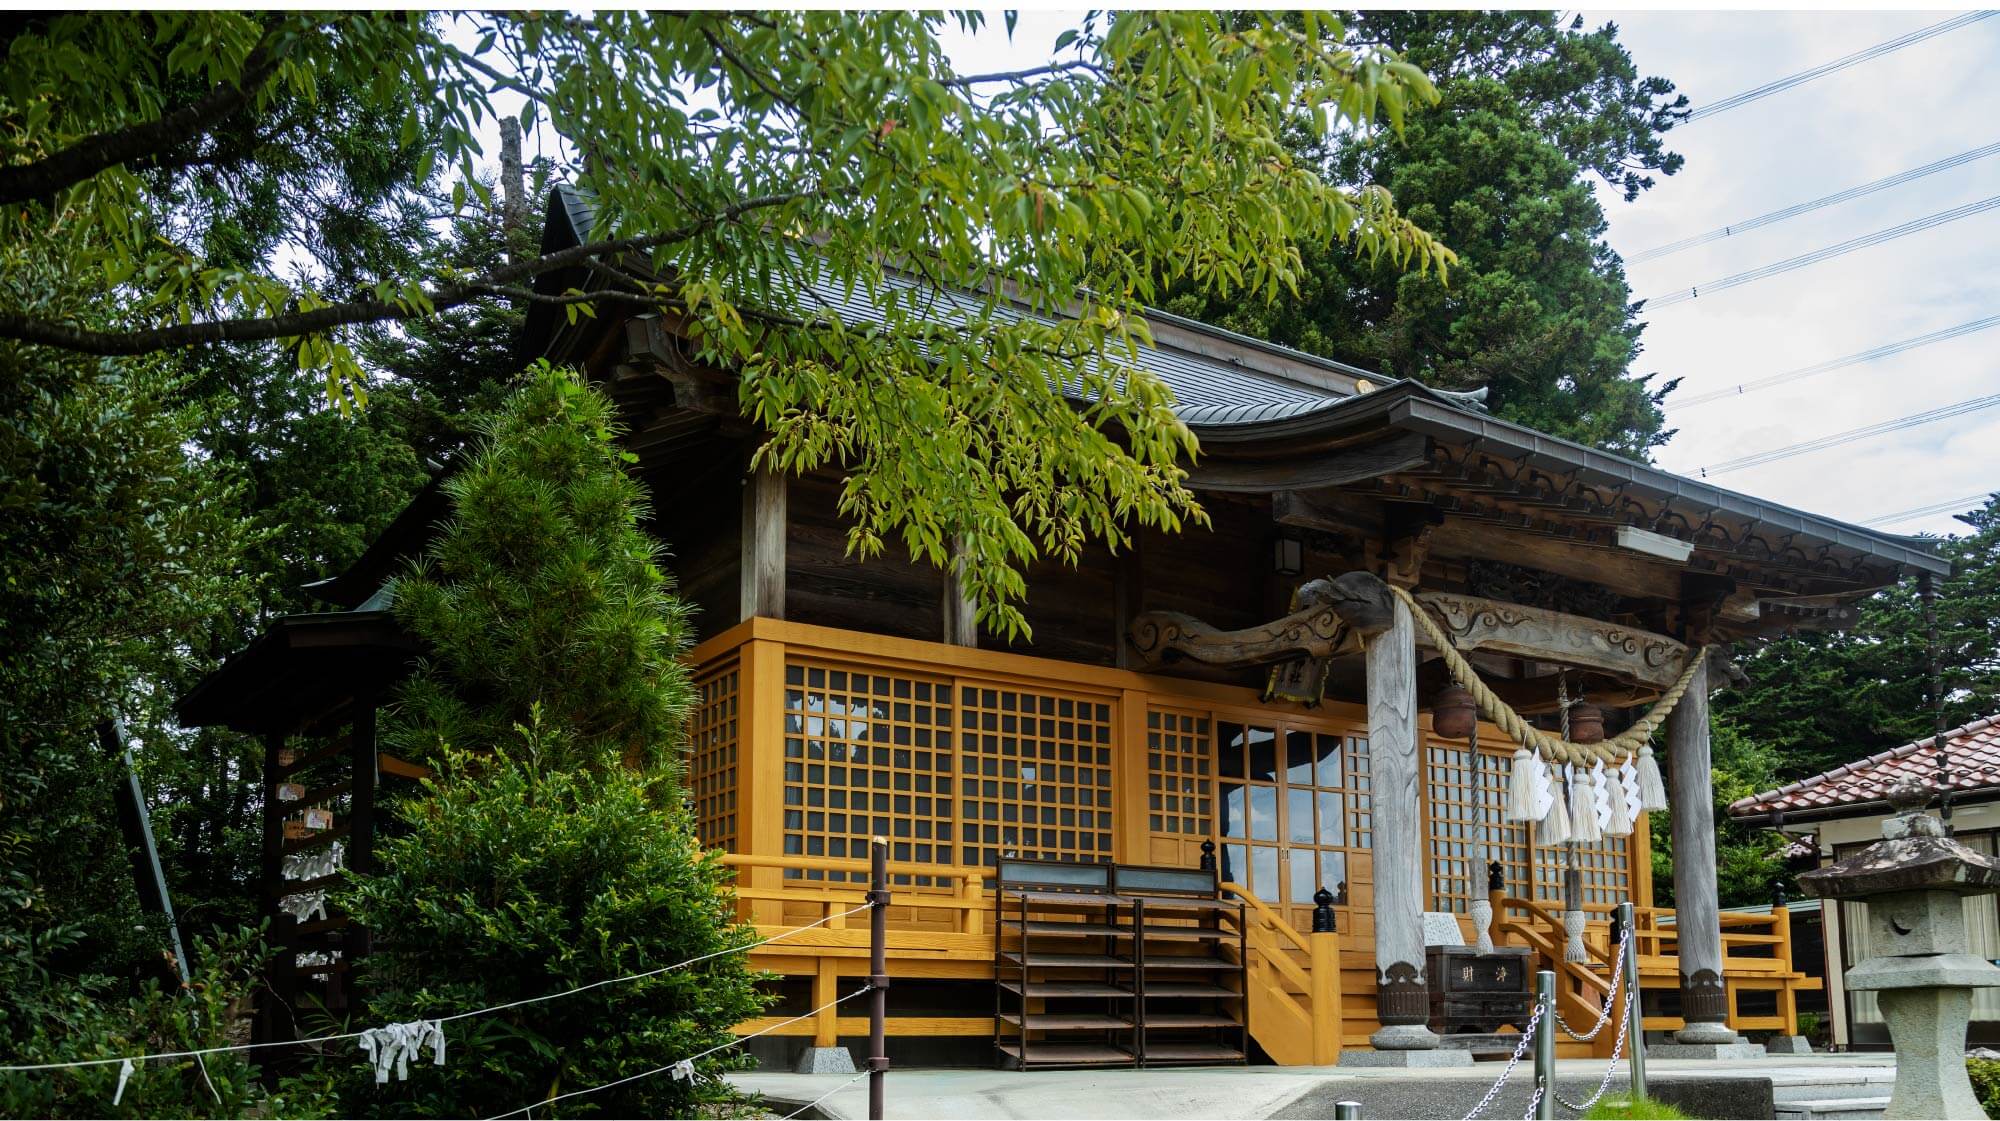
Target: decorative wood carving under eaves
(1474, 623)
(1318, 630)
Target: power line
(1802, 77)
(1758, 459)
(1865, 241)
(1950, 505)
(1847, 195)
(1876, 354)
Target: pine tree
(553, 848)
(544, 590)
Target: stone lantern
(1914, 881)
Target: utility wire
(1827, 253)
(1847, 195)
(1950, 505)
(1758, 459)
(1802, 77)
(1875, 354)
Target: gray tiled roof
(1209, 390)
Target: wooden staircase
(1294, 985)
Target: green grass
(1644, 1109)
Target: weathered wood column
(763, 560)
(961, 611)
(1697, 925)
(1401, 998)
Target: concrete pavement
(1264, 1091)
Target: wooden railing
(1581, 987)
(939, 927)
(1293, 986)
(1756, 957)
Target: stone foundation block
(824, 1060)
(1737, 1050)
(1436, 1058)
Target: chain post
(878, 970)
(1347, 1111)
(1545, 1046)
(1636, 1038)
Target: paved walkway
(1253, 1092)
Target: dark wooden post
(361, 834)
(878, 973)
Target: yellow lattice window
(712, 768)
(1606, 873)
(866, 755)
(1179, 791)
(1035, 776)
(1360, 797)
(1468, 830)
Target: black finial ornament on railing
(1322, 911)
(1777, 894)
(1927, 592)
(1208, 856)
(1496, 880)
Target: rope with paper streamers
(1537, 746)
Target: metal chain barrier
(1521, 1048)
(1610, 999)
(1618, 1049)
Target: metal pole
(1347, 1111)
(1635, 1034)
(878, 973)
(1545, 1045)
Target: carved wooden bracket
(1625, 653)
(1315, 632)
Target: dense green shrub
(70, 1019)
(1985, 1074)
(515, 880)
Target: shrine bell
(1454, 713)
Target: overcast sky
(1926, 102)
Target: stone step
(1830, 1109)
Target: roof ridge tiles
(1852, 784)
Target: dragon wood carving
(1316, 630)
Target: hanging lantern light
(1453, 712)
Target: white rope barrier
(683, 1068)
(392, 1045)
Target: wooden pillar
(961, 612)
(1130, 795)
(1401, 997)
(1697, 922)
(1326, 1014)
(760, 773)
(1788, 997)
(763, 567)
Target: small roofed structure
(1837, 815)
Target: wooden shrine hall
(1320, 704)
